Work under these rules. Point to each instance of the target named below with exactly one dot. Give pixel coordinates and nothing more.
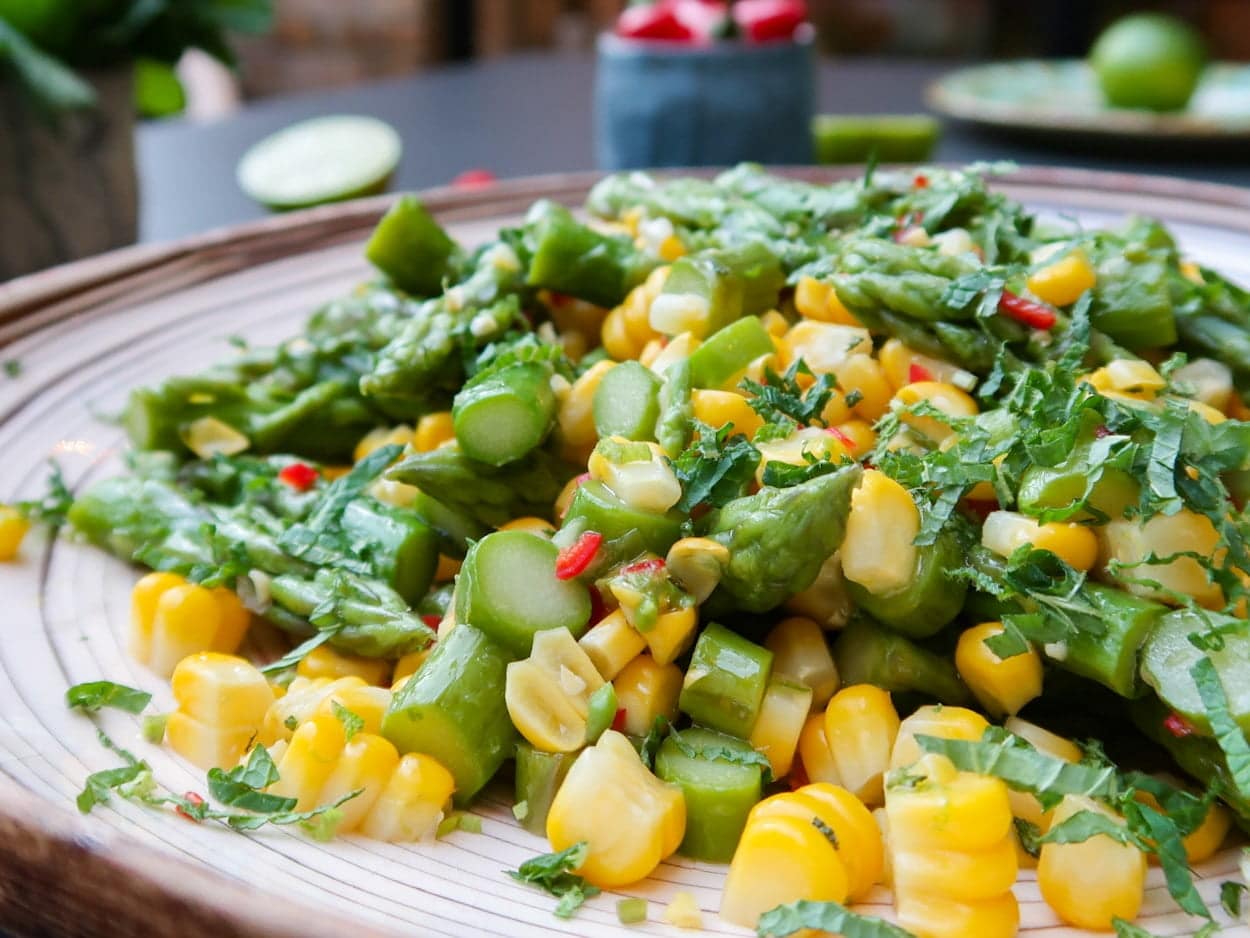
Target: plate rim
(43, 839)
(1110, 124)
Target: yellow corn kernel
(646, 689)
(1131, 542)
(677, 349)
(963, 876)
(825, 347)
(897, 360)
(861, 434)
(862, 374)
(221, 690)
(638, 305)
(860, 844)
(1203, 843)
(783, 712)
(1062, 282)
(13, 528)
(615, 337)
(780, 859)
(877, 551)
(383, 436)
(324, 661)
(369, 703)
(208, 437)
(672, 248)
(1209, 381)
(683, 911)
(861, 725)
(836, 409)
(717, 408)
(947, 809)
(697, 563)
(366, 764)
(407, 666)
(187, 619)
(548, 693)
(947, 398)
(575, 316)
(930, 915)
(796, 449)
(576, 416)
(433, 430)
(800, 653)
(565, 498)
(672, 633)
(814, 752)
(775, 324)
(143, 599)
(302, 699)
(233, 623)
(646, 823)
(826, 601)
(1207, 412)
(816, 300)
(1002, 685)
(650, 352)
(411, 805)
(643, 484)
(222, 701)
(1087, 884)
(311, 755)
(531, 524)
(447, 569)
(1075, 544)
(935, 720)
(612, 643)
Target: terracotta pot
(67, 183)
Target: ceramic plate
(86, 334)
(1047, 96)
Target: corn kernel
(717, 408)
(324, 661)
(447, 569)
(937, 720)
(612, 643)
(1075, 544)
(861, 725)
(677, 349)
(862, 374)
(947, 398)
(222, 701)
(826, 347)
(383, 436)
(800, 653)
(411, 805)
(904, 366)
(366, 766)
(302, 699)
(782, 715)
(369, 703)
(187, 619)
(1131, 542)
(815, 754)
(816, 300)
(576, 417)
(311, 756)
(646, 689)
(548, 693)
(947, 809)
(929, 915)
(13, 528)
(1002, 685)
(775, 324)
(1063, 281)
(698, 564)
(861, 434)
(796, 449)
(143, 599)
(878, 551)
(1088, 884)
(683, 911)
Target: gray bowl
(671, 104)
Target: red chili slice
(573, 561)
(840, 437)
(598, 608)
(917, 372)
(299, 476)
(432, 621)
(1178, 726)
(194, 799)
(921, 181)
(618, 721)
(1032, 314)
(654, 565)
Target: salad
(872, 533)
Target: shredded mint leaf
(651, 742)
(552, 872)
(12, 368)
(241, 786)
(781, 399)
(1023, 768)
(1029, 835)
(93, 695)
(353, 723)
(250, 822)
(1231, 893)
(782, 475)
(299, 652)
(1225, 729)
(825, 917)
(54, 505)
(716, 468)
(1083, 825)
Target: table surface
(528, 114)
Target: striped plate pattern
(86, 334)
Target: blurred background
(330, 43)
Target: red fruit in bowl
(653, 21)
(706, 19)
(769, 20)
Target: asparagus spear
(153, 523)
(779, 538)
(487, 494)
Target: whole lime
(1150, 61)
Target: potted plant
(706, 83)
(72, 75)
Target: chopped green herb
(1231, 893)
(826, 917)
(716, 468)
(725, 754)
(299, 652)
(353, 723)
(781, 399)
(94, 695)
(552, 872)
(291, 722)
(12, 368)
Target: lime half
(894, 138)
(326, 159)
